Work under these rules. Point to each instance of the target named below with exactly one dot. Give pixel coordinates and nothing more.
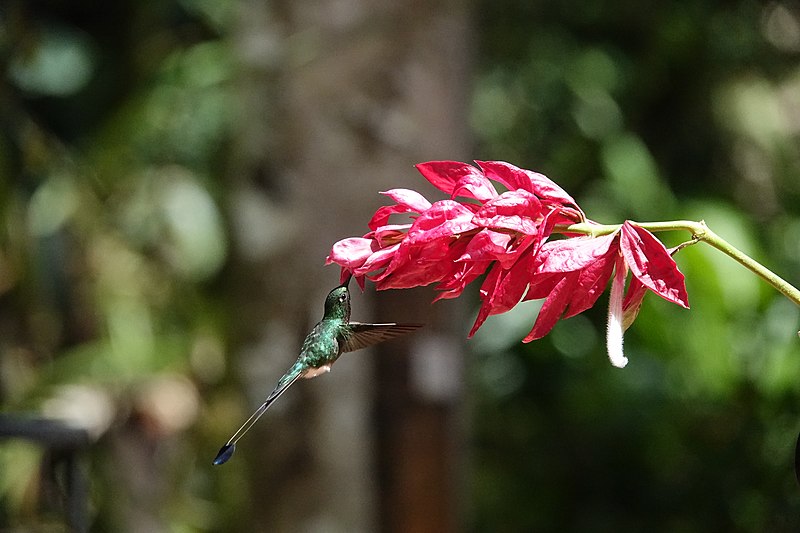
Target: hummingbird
(330, 338)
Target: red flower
(452, 242)
(571, 274)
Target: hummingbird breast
(321, 348)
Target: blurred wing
(363, 335)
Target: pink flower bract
(507, 236)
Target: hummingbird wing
(363, 335)
(285, 382)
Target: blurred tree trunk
(343, 97)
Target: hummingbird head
(337, 304)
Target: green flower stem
(700, 233)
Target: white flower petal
(615, 328)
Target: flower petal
(457, 280)
(486, 291)
(487, 245)
(542, 284)
(632, 302)
(503, 289)
(517, 178)
(445, 218)
(421, 263)
(651, 263)
(378, 259)
(516, 210)
(350, 253)
(408, 201)
(383, 213)
(574, 253)
(446, 175)
(592, 281)
(413, 200)
(475, 186)
(512, 285)
(389, 234)
(554, 306)
(615, 329)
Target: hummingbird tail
(224, 454)
(229, 447)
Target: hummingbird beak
(346, 283)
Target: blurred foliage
(649, 111)
(114, 119)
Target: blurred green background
(173, 173)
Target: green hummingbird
(330, 338)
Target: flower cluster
(508, 236)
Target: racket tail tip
(224, 454)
